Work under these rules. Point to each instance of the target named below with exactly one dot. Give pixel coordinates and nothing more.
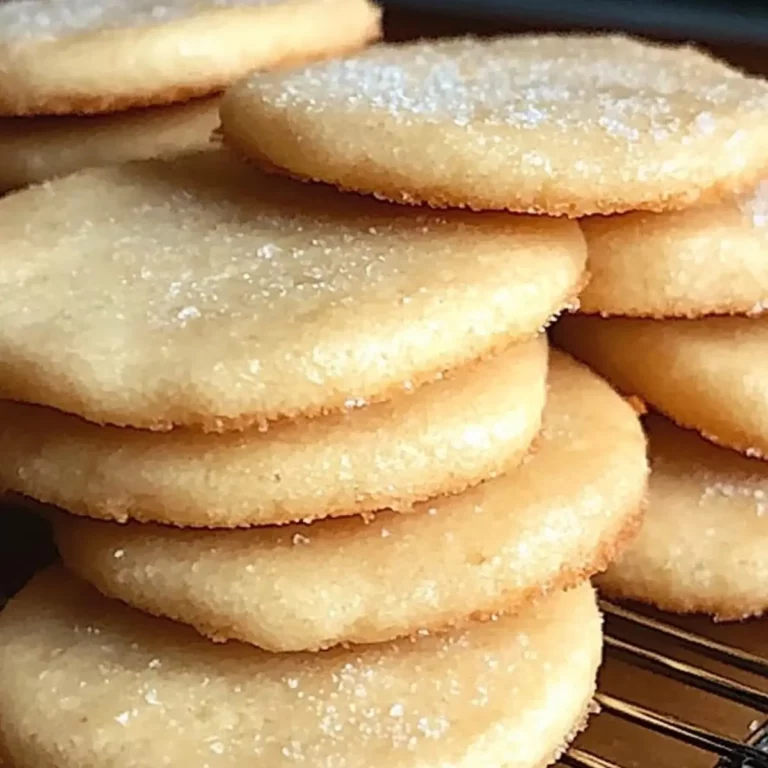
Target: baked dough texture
(33, 150)
(561, 125)
(78, 56)
(549, 524)
(87, 681)
(198, 292)
(706, 260)
(710, 374)
(471, 425)
(703, 543)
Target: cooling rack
(631, 636)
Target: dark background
(738, 21)
(737, 30)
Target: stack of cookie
(330, 424)
(587, 127)
(335, 437)
(681, 294)
(277, 353)
(85, 84)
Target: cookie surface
(549, 124)
(441, 438)
(36, 149)
(196, 291)
(702, 546)
(143, 691)
(73, 56)
(548, 524)
(710, 374)
(702, 261)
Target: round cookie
(87, 681)
(71, 56)
(703, 543)
(702, 261)
(36, 149)
(547, 124)
(443, 437)
(545, 525)
(709, 374)
(196, 291)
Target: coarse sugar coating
(472, 424)
(708, 374)
(548, 524)
(78, 56)
(197, 291)
(87, 681)
(36, 149)
(571, 125)
(710, 259)
(703, 543)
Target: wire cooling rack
(645, 632)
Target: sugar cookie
(546, 124)
(702, 261)
(710, 375)
(35, 149)
(197, 292)
(442, 438)
(75, 56)
(87, 681)
(548, 524)
(702, 547)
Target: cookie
(710, 374)
(442, 438)
(36, 149)
(87, 681)
(546, 525)
(702, 261)
(541, 124)
(197, 292)
(702, 546)
(73, 56)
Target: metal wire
(689, 674)
(743, 660)
(752, 753)
(683, 731)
